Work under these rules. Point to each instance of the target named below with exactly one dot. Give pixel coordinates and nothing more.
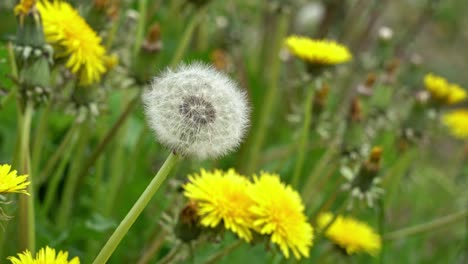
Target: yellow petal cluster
(23, 7)
(73, 39)
(45, 255)
(266, 206)
(322, 52)
(443, 91)
(279, 212)
(350, 234)
(457, 123)
(10, 182)
(222, 197)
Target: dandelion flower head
(197, 111)
(279, 212)
(23, 7)
(45, 255)
(457, 123)
(322, 52)
(74, 39)
(443, 91)
(350, 234)
(11, 182)
(221, 197)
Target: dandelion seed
(10, 182)
(75, 40)
(222, 198)
(196, 111)
(45, 255)
(349, 234)
(322, 52)
(457, 123)
(279, 212)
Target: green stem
(26, 203)
(39, 139)
(427, 227)
(187, 35)
(136, 210)
(303, 141)
(142, 7)
(6, 99)
(107, 138)
(155, 245)
(52, 186)
(58, 154)
(226, 251)
(381, 223)
(170, 256)
(272, 70)
(66, 205)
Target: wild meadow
(268, 131)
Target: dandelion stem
(136, 210)
(142, 7)
(39, 139)
(303, 141)
(57, 176)
(218, 256)
(153, 248)
(71, 182)
(170, 256)
(26, 203)
(187, 35)
(272, 71)
(64, 145)
(108, 137)
(429, 226)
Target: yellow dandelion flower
(279, 212)
(457, 122)
(443, 91)
(23, 7)
(323, 52)
(11, 182)
(222, 197)
(351, 235)
(74, 39)
(44, 256)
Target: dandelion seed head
(197, 111)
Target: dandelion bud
(197, 111)
(187, 228)
(153, 41)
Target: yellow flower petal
(72, 37)
(11, 182)
(44, 256)
(279, 212)
(351, 235)
(323, 52)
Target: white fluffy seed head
(197, 111)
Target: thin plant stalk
(27, 228)
(153, 248)
(67, 201)
(171, 255)
(427, 227)
(142, 7)
(187, 36)
(226, 251)
(108, 138)
(39, 137)
(57, 176)
(271, 92)
(52, 161)
(303, 141)
(136, 210)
